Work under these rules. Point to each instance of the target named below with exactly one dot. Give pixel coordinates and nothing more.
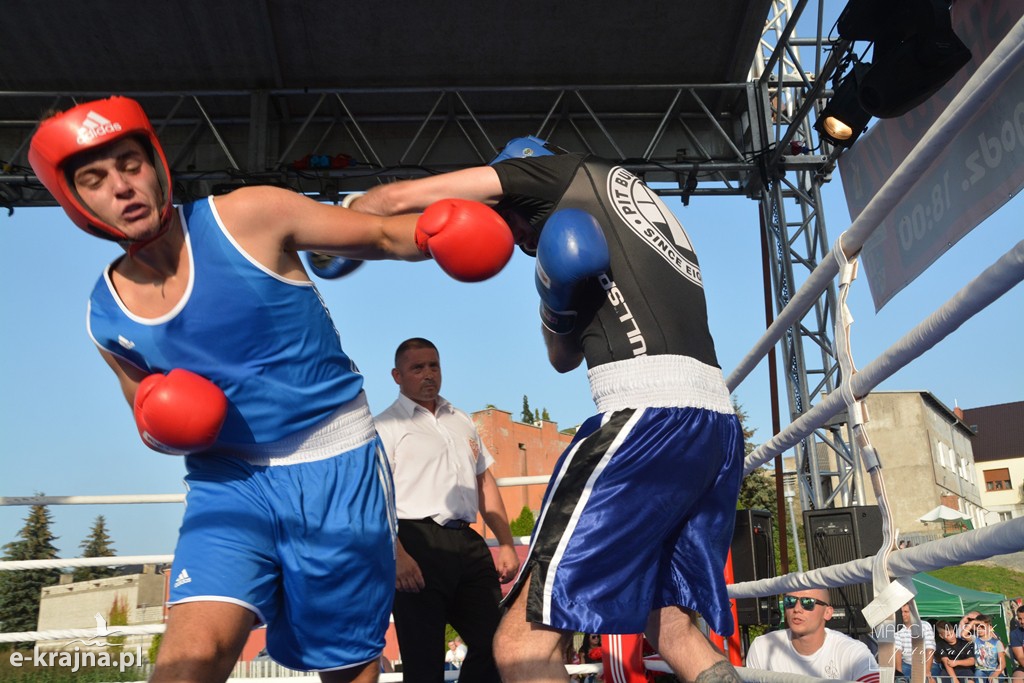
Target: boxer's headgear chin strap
(83, 128)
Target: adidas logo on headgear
(95, 126)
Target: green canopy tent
(937, 599)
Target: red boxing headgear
(82, 128)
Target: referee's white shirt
(435, 460)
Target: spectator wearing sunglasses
(806, 647)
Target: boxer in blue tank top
(637, 520)
(228, 356)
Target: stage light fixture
(915, 51)
(843, 119)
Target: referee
(445, 572)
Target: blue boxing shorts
(307, 546)
(640, 510)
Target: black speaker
(753, 558)
(836, 536)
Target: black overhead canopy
(251, 85)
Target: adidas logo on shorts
(182, 579)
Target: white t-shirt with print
(840, 657)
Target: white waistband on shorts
(350, 426)
(659, 382)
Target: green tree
(758, 489)
(527, 416)
(154, 647)
(20, 591)
(544, 415)
(117, 616)
(523, 524)
(748, 432)
(758, 492)
(96, 545)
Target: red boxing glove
(469, 240)
(180, 412)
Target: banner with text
(979, 171)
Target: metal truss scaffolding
(752, 138)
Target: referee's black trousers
(461, 589)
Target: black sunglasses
(789, 602)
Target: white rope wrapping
(118, 561)
(93, 500)
(991, 284)
(180, 497)
(980, 544)
(858, 418)
(83, 633)
(991, 74)
(56, 563)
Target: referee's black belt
(457, 524)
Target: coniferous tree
(20, 590)
(98, 544)
(758, 489)
(544, 415)
(523, 524)
(527, 416)
(758, 492)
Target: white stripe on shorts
(581, 504)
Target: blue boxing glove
(572, 248)
(329, 266)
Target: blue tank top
(268, 342)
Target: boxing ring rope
(969, 546)
(120, 560)
(93, 500)
(1003, 60)
(993, 282)
(180, 497)
(57, 563)
(83, 633)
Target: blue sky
(66, 430)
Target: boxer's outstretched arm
(411, 196)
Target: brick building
(520, 450)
